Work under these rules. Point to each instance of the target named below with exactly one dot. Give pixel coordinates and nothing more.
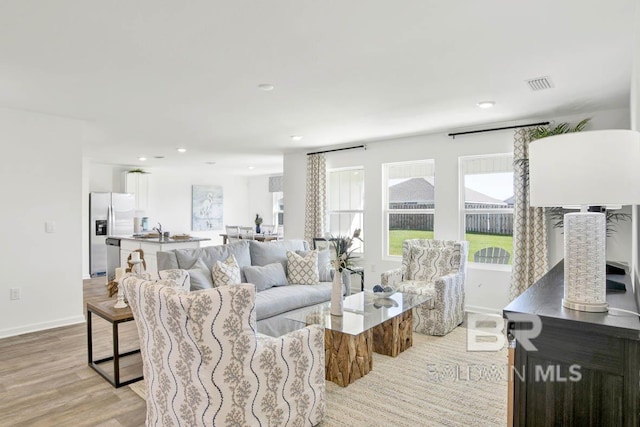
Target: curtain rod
(453, 135)
(338, 149)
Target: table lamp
(585, 169)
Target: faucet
(159, 230)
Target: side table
(115, 316)
(360, 272)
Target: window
(409, 202)
(487, 198)
(278, 208)
(345, 204)
(277, 199)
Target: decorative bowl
(383, 294)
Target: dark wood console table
(585, 370)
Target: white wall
(260, 199)
(635, 125)
(486, 290)
(170, 196)
(40, 180)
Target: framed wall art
(206, 207)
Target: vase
(257, 229)
(336, 294)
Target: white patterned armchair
(204, 365)
(437, 268)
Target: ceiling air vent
(540, 83)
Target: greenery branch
(344, 253)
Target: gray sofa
(272, 304)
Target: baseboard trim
(482, 310)
(36, 327)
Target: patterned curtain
(316, 197)
(529, 224)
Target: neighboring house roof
(419, 190)
(511, 200)
(472, 196)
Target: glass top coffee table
(369, 323)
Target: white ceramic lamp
(594, 168)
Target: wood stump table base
(395, 335)
(347, 357)
(350, 357)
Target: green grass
(396, 237)
(476, 241)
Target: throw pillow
(427, 264)
(226, 273)
(264, 277)
(303, 270)
(200, 276)
(324, 264)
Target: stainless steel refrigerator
(110, 214)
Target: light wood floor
(45, 380)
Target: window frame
(387, 212)
(276, 207)
(463, 211)
(360, 169)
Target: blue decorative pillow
(264, 277)
(200, 276)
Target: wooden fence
(488, 223)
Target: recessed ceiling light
(267, 87)
(209, 163)
(251, 168)
(181, 150)
(142, 159)
(296, 137)
(486, 104)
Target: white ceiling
(154, 75)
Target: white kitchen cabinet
(150, 247)
(138, 184)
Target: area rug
(437, 382)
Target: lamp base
(584, 262)
(584, 306)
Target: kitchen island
(151, 245)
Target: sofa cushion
(265, 277)
(427, 264)
(420, 288)
(286, 298)
(324, 264)
(200, 276)
(210, 254)
(264, 253)
(226, 273)
(302, 270)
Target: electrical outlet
(14, 294)
(50, 226)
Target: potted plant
(258, 221)
(344, 253)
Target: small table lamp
(594, 168)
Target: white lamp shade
(591, 168)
